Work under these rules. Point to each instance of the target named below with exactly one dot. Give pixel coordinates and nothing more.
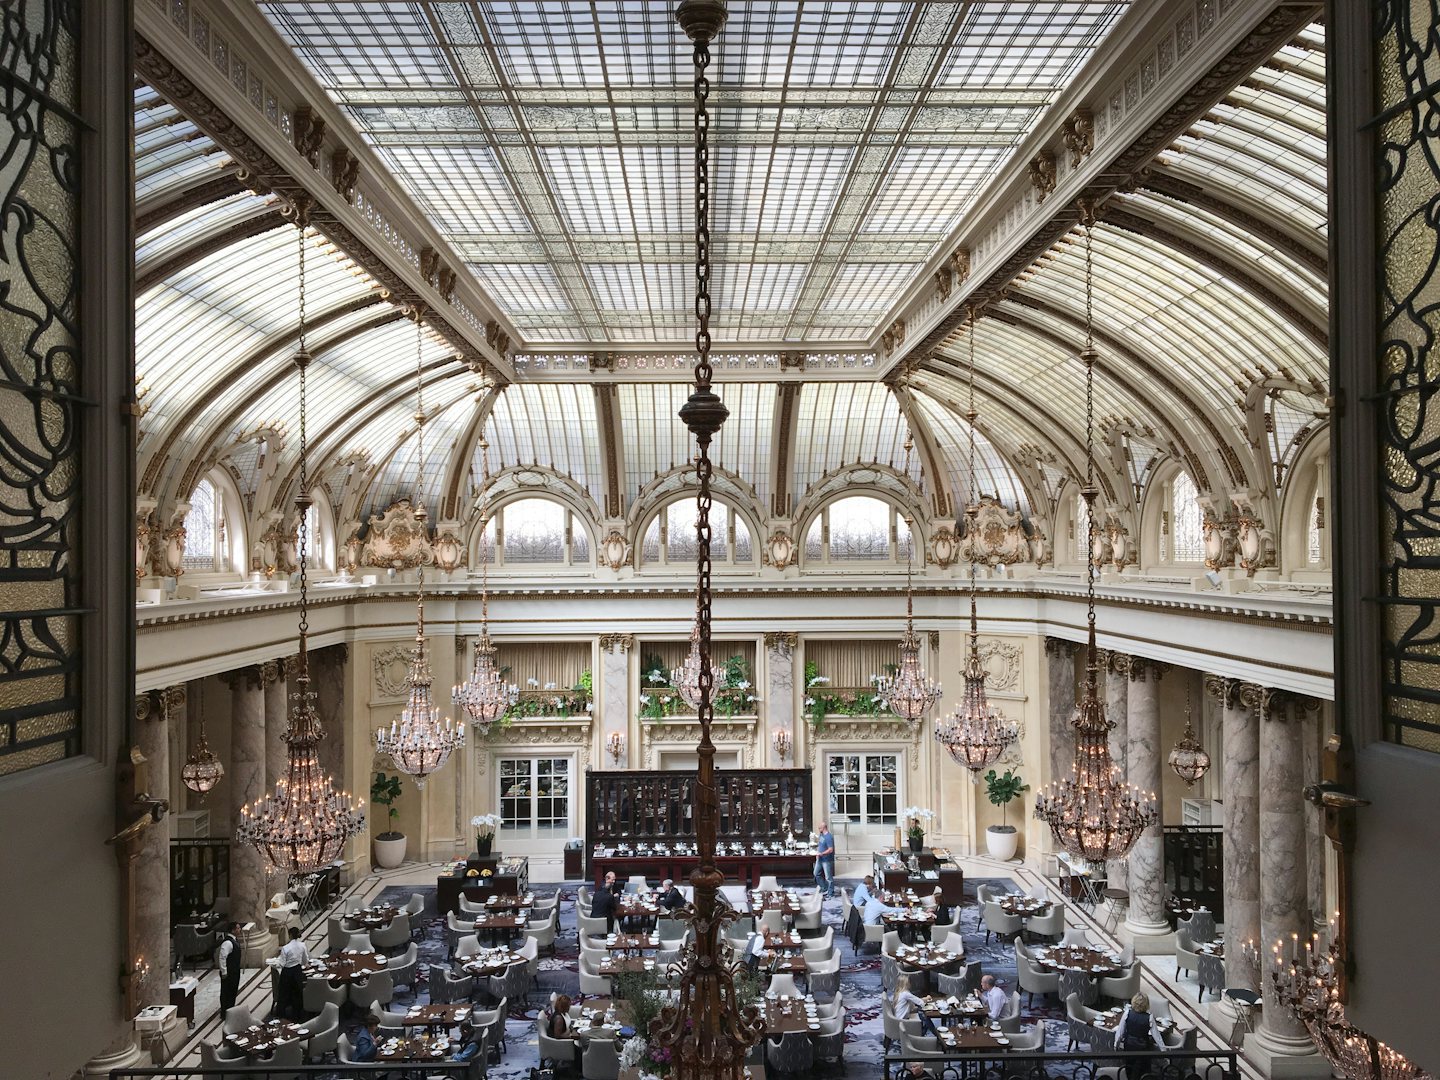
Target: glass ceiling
(550, 144)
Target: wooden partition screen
(755, 804)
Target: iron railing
(1179, 1064)
(261, 1071)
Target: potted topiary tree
(389, 845)
(1001, 840)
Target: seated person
(864, 891)
(876, 910)
(603, 906)
(906, 1002)
(670, 897)
(365, 1048)
(472, 1042)
(557, 1024)
(995, 999)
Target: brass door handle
(1331, 796)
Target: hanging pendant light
(908, 693)
(686, 678)
(1092, 813)
(202, 769)
(419, 742)
(707, 1029)
(975, 734)
(1188, 758)
(304, 822)
(485, 696)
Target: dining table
(1109, 1020)
(1210, 948)
(906, 898)
(926, 957)
(372, 918)
(974, 1039)
(499, 927)
(786, 939)
(950, 1010)
(1025, 906)
(624, 964)
(1080, 958)
(258, 1039)
(346, 966)
(785, 1014)
(786, 902)
(489, 962)
(632, 943)
(509, 902)
(912, 924)
(444, 1015)
(416, 1046)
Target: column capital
(1143, 668)
(933, 637)
(1055, 646)
(271, 671)
(144, 706)
(616, 642)
(1228, 691)
(783, 641)
(248, 677)
(1115, 662)
(171, 698)
(1288, 705)
(1253, 697)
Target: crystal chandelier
(1188, 758)
(1308, 983)
(485, 696)
(908, 693)
(304, 823)
(202, 769)
(707, 1029)
(975, 734)
(1092, 813)
(686, 678)
(419, 742)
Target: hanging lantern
(1188, 758)
(202, 769)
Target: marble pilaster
(1312, 735)
(327, 680)
(1240, 748)
(1060, 669)
(1117, 666)
(272, 674)
(1282, 861)
(780, 692)
(1146, 914)
(246, 775)
(615, 708)
(154, 714)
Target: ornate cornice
(782, 641)
(866, 729)
(616, 642)
(1060, 647)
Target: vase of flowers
(485, 826)
(918, 818)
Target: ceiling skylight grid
(462, 189)
(360, 46)
(523, 431)
(993, 475)
(1015, 44)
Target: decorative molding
(944, 547)
(1004, 663)
(449, 551)
(617, 642)
(271, 671)
(344, 172)
(144, 707)
(1042, 174)
(959, 263)
(390, 666)
(932, 638)
(308, 134)
(994, 536)
(398, 539)
(546, 732)
(615, 549)
(783, 642)
(1060, 647)
(734, 732)
(866, 729)
(780, 550)
(1143, 669)
(1078, 133)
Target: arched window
(320, 548)
(533, 532)
(1182, 533)
(670, 536)
(205, 545)
(858, 528)
(1080, 531)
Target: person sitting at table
(1137, 1030)
(557, 1025)
(603, 906)
(864, 891)
(365, 1048)
(876, 910)
(472, 1042)
(671, 898)
(906, 1001)
(993, 996)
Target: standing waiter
(290, 990)
(227, 959)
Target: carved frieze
(390, 667)
(867, 729)
(1078, 133)
(398, 539)
(1042, 174)
(994, 536)
(344, 172)
(960, 264)
(943, 277)
(544, 732)
(309, 134)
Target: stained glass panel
(1187, 524)
(534, 531)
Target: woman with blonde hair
(1137, 1030)
(907, 1000)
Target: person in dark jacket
(227, 959)
(603, 906)
(671, 898)
(1136, 1030)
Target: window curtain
(558, 662)
(672, 654)
(849, 664)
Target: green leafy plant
(386, 791)
(1002, 790)
(645, 994)
(585, 684)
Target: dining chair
(393, 935)
(771, 919)
(336, 935)
(1029, 1039)
(792, 1054)
(543, 935)
(558, 1052)
(323, 1031)
(823, 978)
(1210, 974)
(1050, 926)
(1076, 937)
(1034, 981)
(415, 906)
(769, 883)
(998, 923)
(828, 1044)
(1121, 987)
(320, 992)
(405, 968)
(1081, 985)
(600, 1061)
(1010, 1018)
(376, 987)
(492, 1022)
(783, 983)
(237, 1019)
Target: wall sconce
(780, 740)
(615, 746)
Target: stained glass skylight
(550, 144)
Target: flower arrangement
(485, 826)
(819, 703)
(919, 817)
(733, 695)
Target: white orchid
(532, 682)
(633, 1053)
(919, 813)
(644, 699)
(818, 680)
(487, 821)
(550, 686)
(809, 701)
(743, 684)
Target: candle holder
(615, 746)
(781, 741)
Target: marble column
(193, 690)
(154, 714)
(327, 680)
(1116, 688)
(1283, 915)
(780, 694)
(1312, 732)
(615, 710)
(1060, 666)
(1146, 914)
(272, 674)
(246, 775)
(1240, 747)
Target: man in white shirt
(290, 988)
(227, 961)
(875, 910)
(863, 892)
(995, 999)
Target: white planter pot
(1001, 845)
(389, 853)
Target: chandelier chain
(970, 500)
(420, 513)
(302, 361)
(1091, 493)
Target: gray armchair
(600, 1060)
(793, 1054)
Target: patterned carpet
(860, 982)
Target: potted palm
(1001, 840)
(389, 845)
